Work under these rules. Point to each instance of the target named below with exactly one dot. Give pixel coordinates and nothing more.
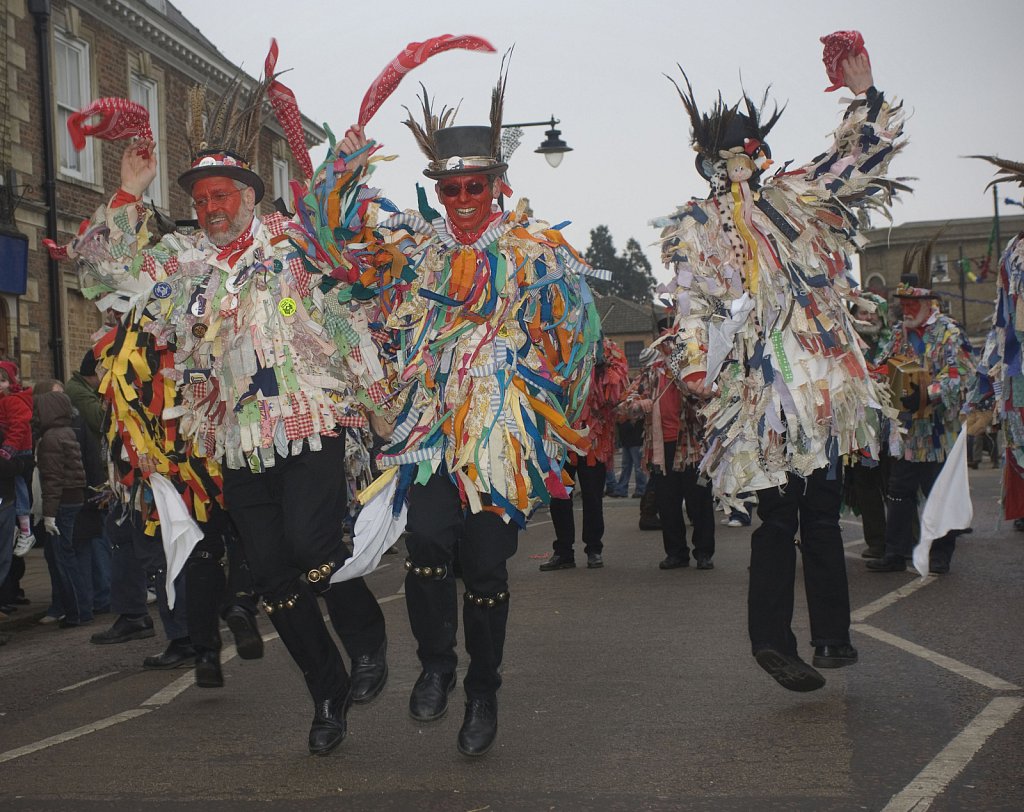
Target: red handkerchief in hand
(115, 119)
(840, 45)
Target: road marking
(86, 682)
(60, 738)
(918, 795)
(888, 600)
(960, 669)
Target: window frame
(86, 172)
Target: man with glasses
(267, 372)
(492, 335)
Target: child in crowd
(16, 421)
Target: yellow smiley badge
(287, 306)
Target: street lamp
(553, 148)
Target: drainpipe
(40, 11)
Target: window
(633, 350)
(281, 178)
(144, 91)
(71, 57)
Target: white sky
(597, 65)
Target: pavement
(626, 688)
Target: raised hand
(857, 73)
(138, 166)
(354, 140)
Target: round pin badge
(287, 306)
(162, 290)
(199, 330)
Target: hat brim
(915, 296)
(188, 178)
(496, 169)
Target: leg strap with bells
(286, 602)
(488, 601)
(438, 572)
(320, 577)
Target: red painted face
(467, 199)
(224, 211)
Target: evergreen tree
(631, 271)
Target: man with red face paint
(492, 336)
(267, 375)
(933, 371)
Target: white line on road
(968, 672)
(918, 795)
(888, 600)
(60, 738)
(86, 682)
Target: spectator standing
(16, 419)
(62, 482)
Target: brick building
(630, 325)
(144, 50)
(960, 250)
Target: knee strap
(437, 572)
(487, 601)
(320, 577)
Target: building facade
(59, 56)
(630, 325)
(963, 266)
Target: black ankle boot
(369, 674)
(208, 672)
(329, 725)
(480, 727)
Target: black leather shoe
(248, 641)
(594, 561)
(704, 562)
(673, 562)
(178, 654)
(125, 629)
(479, 728)
(208, 673)
(429, 699)
(557, 562)
(834, 656)
(869, 553)
(329, 725)
(789, 670)
(370, 674)
(888, 563)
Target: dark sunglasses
(473, 188)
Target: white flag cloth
(178, 529)
(948, 506)
(376, 527)
(722, 333)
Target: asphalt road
(626, 688)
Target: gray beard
(867, 329)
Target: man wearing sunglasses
(491, 338)
(267, 384)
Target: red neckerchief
(469, 237)
(233, 251)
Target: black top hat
(221, 163)
(464, 151)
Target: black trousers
(869, 486)
(808, 507)
(290, 520)
(438, 526)
(210, 591)
(903, 529)
(590, 484)
(672, 489)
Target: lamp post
(553, 148)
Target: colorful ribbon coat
(265, 361)
(761, 277)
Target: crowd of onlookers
(53, 492)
